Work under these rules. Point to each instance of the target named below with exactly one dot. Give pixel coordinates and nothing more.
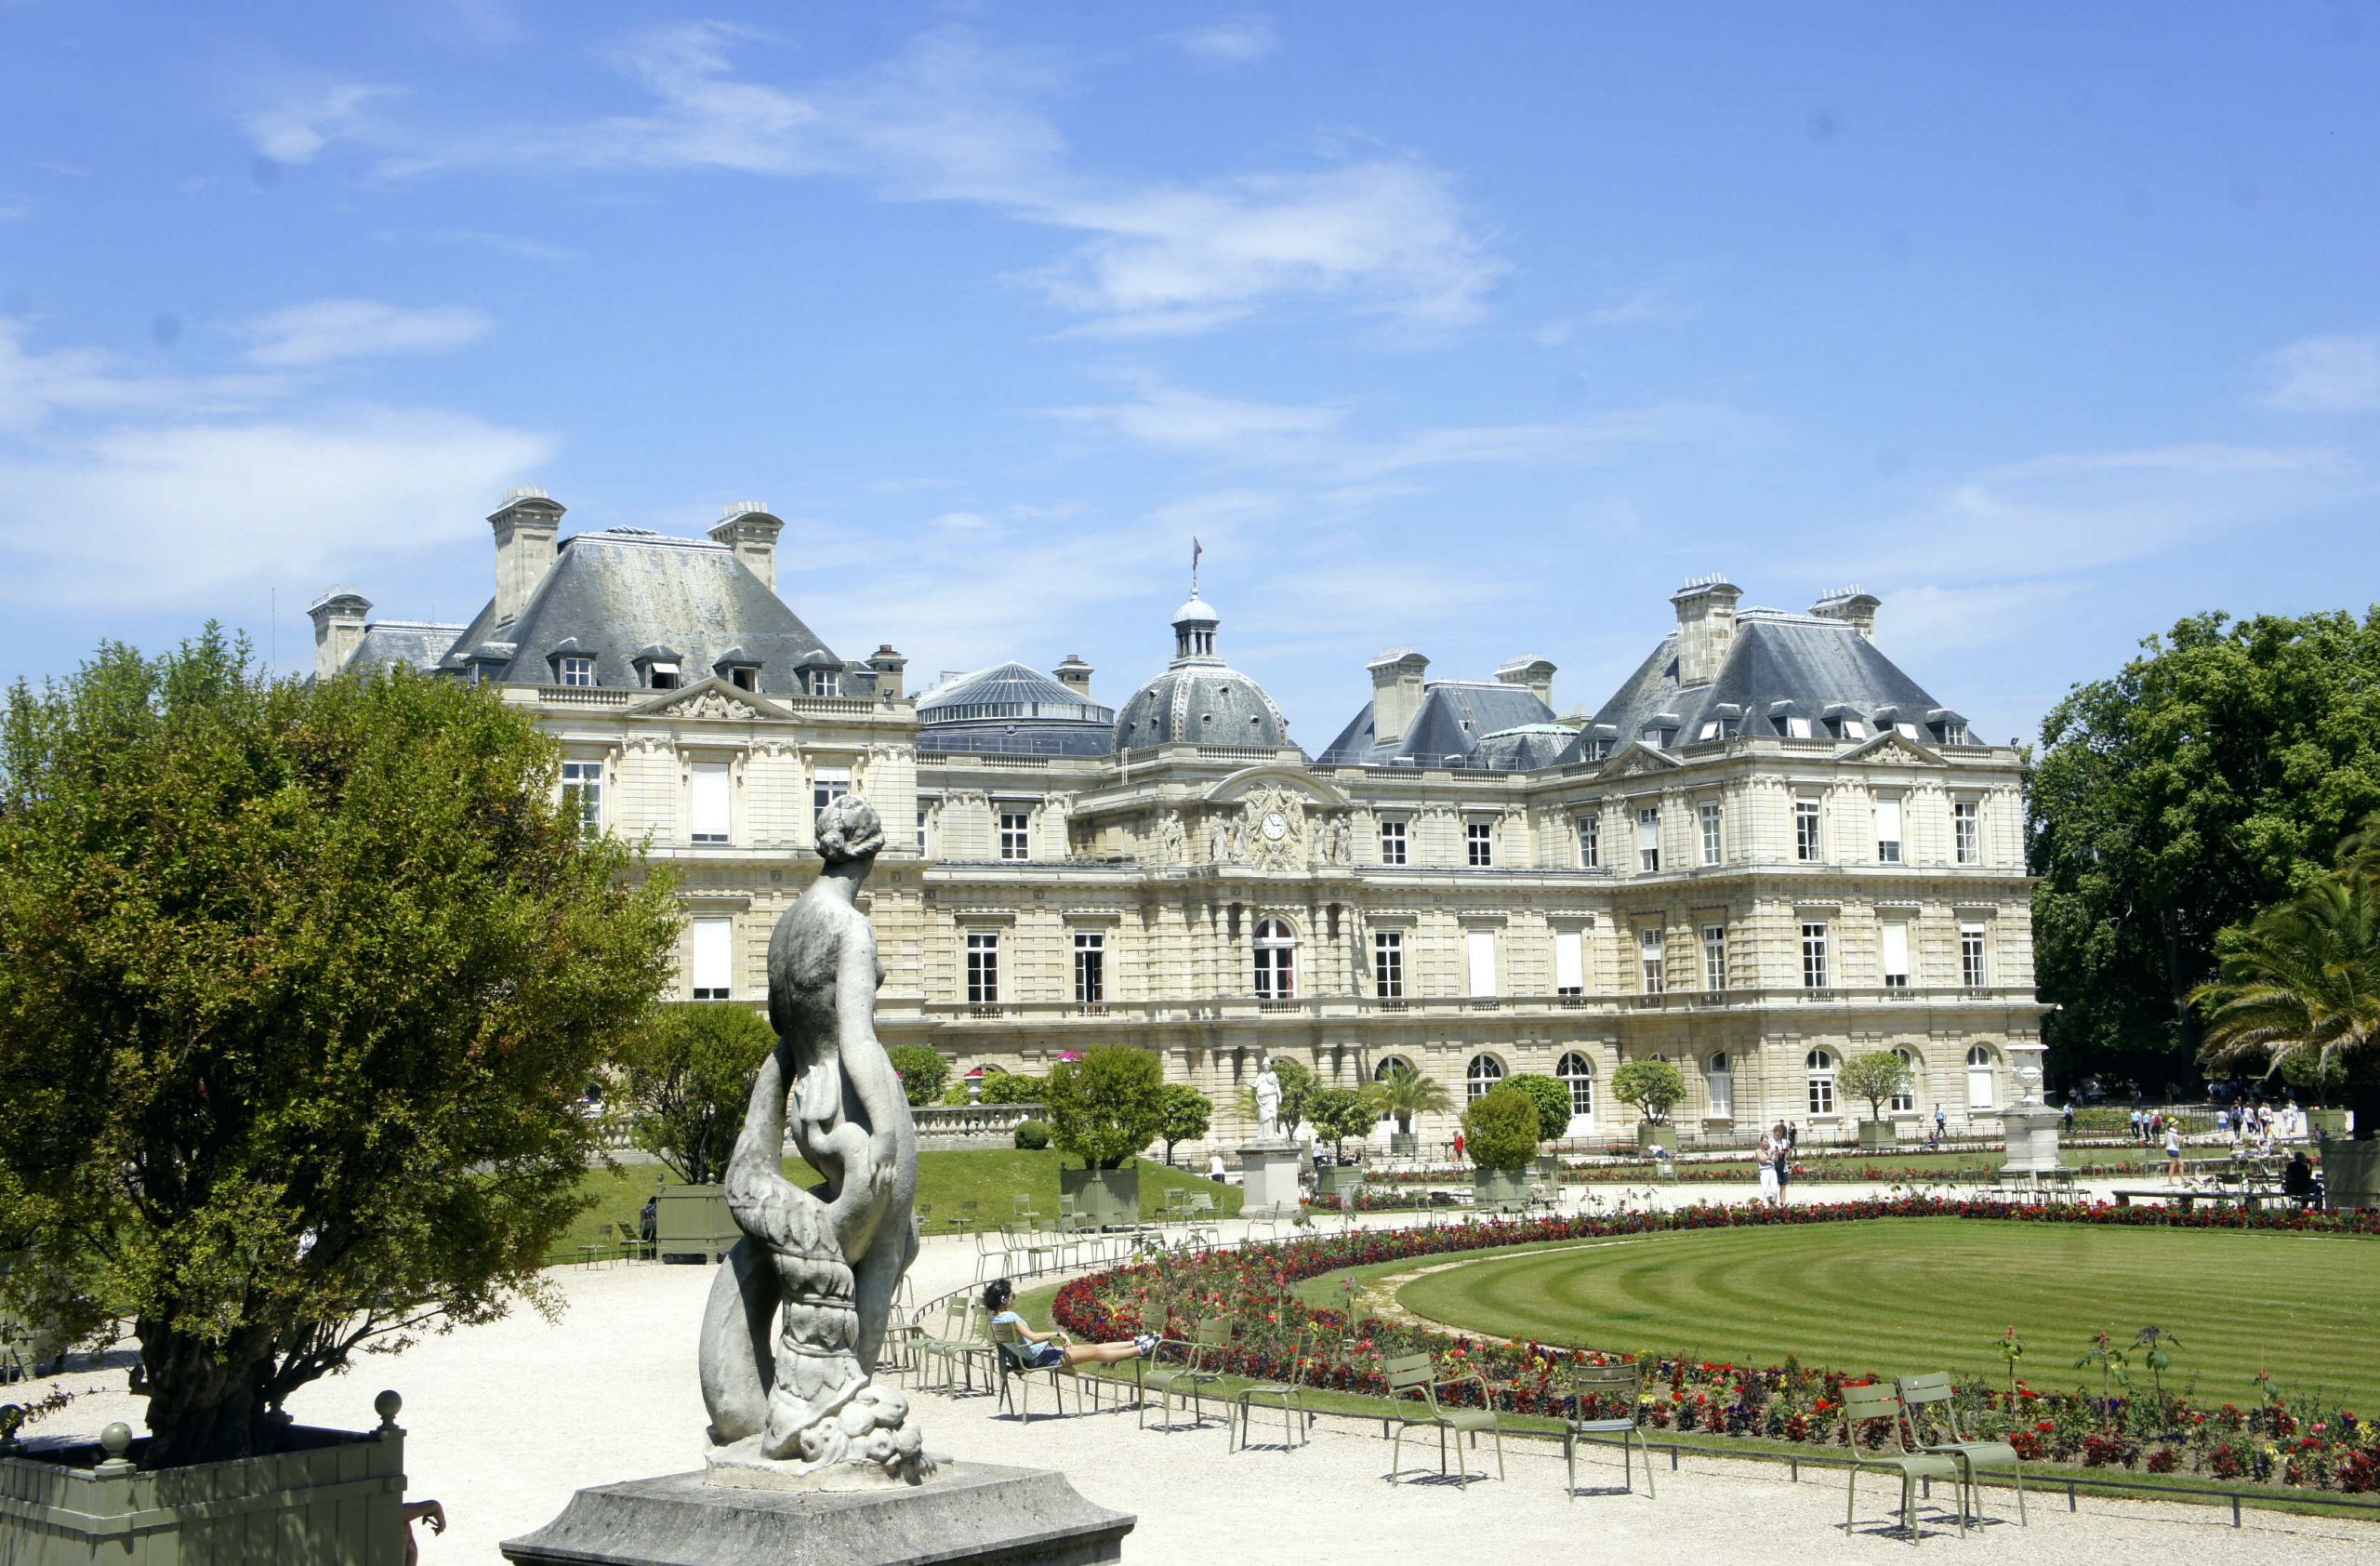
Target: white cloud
(519, 247)
(183, 515)
(37, 387)
(1174, 418)
(1233, 42)
(297, 130)
(950, 120)
(2325, 375)
(306, 335)
(15, 211)
(962, 521)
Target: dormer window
(574, 671)
(1854, 729)
(744, 678)
(661, 676)
(1797, 728)
(822, 682)
(658, 666)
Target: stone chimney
(338, 617)
(748, 529)
(1075, 675)
(1706, 627)
(1396, 692)
(525, 525)
(889, 665)
(1536, 673)
(1853, 607)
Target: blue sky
(1476, 329)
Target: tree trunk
(205, 1400)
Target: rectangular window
(1888, 831)
(828, 784)
(582, 790)
(1967, 832)
(1970, 969)
(662, 676)
(714, 967)
(1709, 816)
(983, 968)
(1091, 968)
(1388, 964)
(1016, 831)
(1896, 955)
(824, 681)
(1715, 957)
(1649, 947)
(1822, 1092)
(1805, 831)
(1479, 951)
(708, 807)
(925, 832)
(1569, 962)
(1479, 842)
(1797, 728)
(744, 679)
(1590, 843)
(1648, 838)
(1392, 842)
(1814, 955)
(578, 672)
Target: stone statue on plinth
(797, 1311)
(1268, 1103)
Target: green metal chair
(1009, 1349)
(1621, 1386)
(1417, 1375)
(991, 1253)
(1919, 1393)
(1862, 1406)
(631, 1243)
(1200, 1216)
(1022, 1244)
(1189, 1377)
(957, 1345)
(1289, 1394)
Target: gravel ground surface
(505, 1421)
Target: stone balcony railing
(973, 1120)
(1230, 1008)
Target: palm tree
(2303, 978)
(1402, 1092)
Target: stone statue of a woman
(797, 1311)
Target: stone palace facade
(1769, 850)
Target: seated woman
(1043, 1350)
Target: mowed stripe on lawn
(1902, 1295)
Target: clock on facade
(1275, 826)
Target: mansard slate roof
(414, 644)
(1203, 703)
(1456, 716)
(1808, 664)
(1013, 709)
(617, 592)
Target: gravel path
(506, 1420)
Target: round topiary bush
(1552, 1098)
(1500, 1130)
(1032, 1136)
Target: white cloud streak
(1235, 41)
(297, 129)
(309, 335)
(2325, 375)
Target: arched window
(1821, 1068)
(1719, 1084)
(1277, 962)
(1485, 1072)
(1390, 1066)
(1981, 1092)
(1905, 1101)
(1576, 1074)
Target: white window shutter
(1888, 820)
(1897, 949)
(710, 803)
(715, 955)
(1648, 830)
(1569, 961)
(1482, 947)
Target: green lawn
(1897, 1295)
(988, 1178)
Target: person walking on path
(1765, 1155)
(2173, 1150)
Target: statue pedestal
(1269, 1180)
(967, 1512)
(2030, 1124)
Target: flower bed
(2280, 1440)
(1846, 1169)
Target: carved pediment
(1639, 757)
(1894, 747)
(710, 698)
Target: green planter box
(692, 1223)
(1651, 1135)
(335, 1500)
(2351, 1172)
(1106, 1198)
(2326, 1123)
(1404, 1144)
(1878, 1133)
(1500, 1191)
(1338, 1177)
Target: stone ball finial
(116, 1439)
(849, 828)
(386, 1405)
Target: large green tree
(298, 985)
(1188, 1112)
(1107, 1107)
(2214, 775)
(688, 1078)
(2300, 985)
